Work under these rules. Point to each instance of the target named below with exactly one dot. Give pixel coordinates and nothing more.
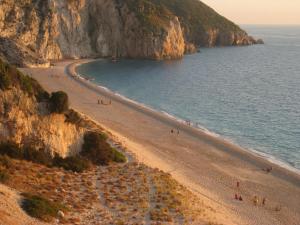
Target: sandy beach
(207, 165)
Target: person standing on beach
(264, 201)
(236, 196)
(255, 200)
(278, 208)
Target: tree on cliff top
(59, 102)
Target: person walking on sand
(177, 131)
(278, 208)
(236, 196)
(269, 169)
(264, 201)
(98, 102)
(237, 184)
(255, 200)
(240, 198)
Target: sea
(248, 95)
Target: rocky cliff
(25, 117)
(35, 31)
(23, 121)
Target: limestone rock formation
(77, 29)
(23, 121)
(32, 32)
(26, 117)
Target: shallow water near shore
(250, 95)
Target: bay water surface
(249, 95)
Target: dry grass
(114, 194)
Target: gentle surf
(249, 95)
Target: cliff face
(23, 121)
(216, 37)
(35, 31)
(26, 117)
(79, 28)
(204, 27)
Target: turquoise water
(250, 95)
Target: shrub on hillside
(73, 163)
(11, 149)
(14, 151)
(118, 156)
(41, 208)
(96, 149)
(26, 84)
(59, 102)
(4, 176)
(5, 80)
(37, 156)
(5, 161)
(10, 76)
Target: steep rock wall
(56, 29)
(32, 32)
(26, 122)
(215, 37)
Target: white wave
(173, 117)
(205, 130)
(273, 160)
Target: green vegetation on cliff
(96, 148)
(98, 151)
(195, 17)
(59, 102)
(40, 207)
(11, 77)
(152, 16)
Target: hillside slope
(27, 120)
(32, 32)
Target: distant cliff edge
(32, 32)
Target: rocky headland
(33, 32)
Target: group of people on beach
(188, 122)
(255, 198)
(268, 169)
(256, 201)
(101, 102)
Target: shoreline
(204, 133)
(257, 153)
(207, 165)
